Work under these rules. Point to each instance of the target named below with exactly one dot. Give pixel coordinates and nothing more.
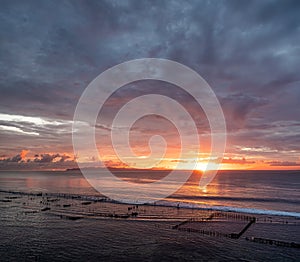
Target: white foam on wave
(230, 209)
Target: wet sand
(56, 227)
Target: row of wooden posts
(273, 242)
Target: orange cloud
(24, 153)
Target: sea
(32, 235)
(268, 192)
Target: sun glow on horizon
(201, 166)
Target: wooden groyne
(204, 232)
(68, 216)
(251, 220)
(209, 232)
(182, 223)
(233, 216)
(233, 235)
(273, 242)
(48, 196)
(227, 215)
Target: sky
(248, 52)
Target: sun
(201, 166)
(208, 166)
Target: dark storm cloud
(15, 159)
(42, 161)
(248, 51)
(47, 158)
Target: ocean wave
(229, 209)
(237, 199)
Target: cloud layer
(247, 51)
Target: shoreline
(162, 203)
